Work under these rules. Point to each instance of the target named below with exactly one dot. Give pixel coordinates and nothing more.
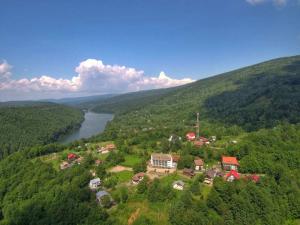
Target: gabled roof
(100, 194)
(95, 181)
(178, 182)
(210, 173)
(72, 156)
(138, 176)
(190, 135)
(233, 173)
(198, 162)
(230, 160)
(160, 156)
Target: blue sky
(186, 39)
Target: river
(94, 123)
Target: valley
(155, 163)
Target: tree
(101, 171)
(124, 194)
(106, 201)
(140, 167)
(142, 187)
(195, 188)
(185, 161)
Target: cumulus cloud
(275, 2)
(93, 77)
(5, 69)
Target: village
(158, 166)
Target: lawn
(157, 212)
(131, 160)
(123, 176)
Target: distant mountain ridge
(253, 97)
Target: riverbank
(93, 123)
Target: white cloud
(93, 77)
(275, 2)
(255, 2)
(5, 70)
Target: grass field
(157, 212)
(123, 176)
(131, 160)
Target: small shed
(188, 172)
(178, 185)
(95, 183)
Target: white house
(162, 160)
(95, 183)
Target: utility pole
(198, 127)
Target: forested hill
(25, 125)
(254, 97)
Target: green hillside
(258, 96)
(25, 125)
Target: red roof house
(199, 164)
(255, 178)
(229, 163)
(72, 156)
(232, 175)
(138, 177)
(191, 136)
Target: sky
(62, 48)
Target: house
(229, 163)
(255, 178)
(162, 160)
(110, 147)
(178, 185)
(137, 178)
(188, 172)
(64, 165)
(201, 141)
(199, 164)
(98, 162)
(190, 136)
(101, 194)
(103, 150)
(72, 156)
(95, 183)
(232, 175)
(79, 160)
(213, 138)
(211, 174)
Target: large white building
(162, 160)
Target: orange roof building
(229, 163)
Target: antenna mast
(198, 126)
